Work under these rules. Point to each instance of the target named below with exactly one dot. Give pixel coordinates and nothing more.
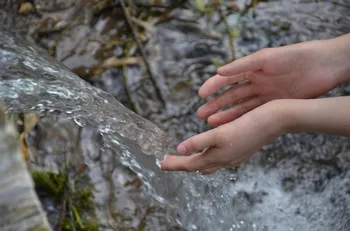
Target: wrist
(283, 116)
(273, 118)
(338, 55)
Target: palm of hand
(270, 74)
(295, 71)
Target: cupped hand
(298, 71)
(229, 144)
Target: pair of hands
(267, 77)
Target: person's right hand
(299, 71)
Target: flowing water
(34, 82)
(279, 189)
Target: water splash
(31, 81)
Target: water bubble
(233, 179)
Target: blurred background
(152, 56)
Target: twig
(230, 37)
(71, 214)
(62, 213)
(145, 25)
(64, 202)
(67, 190)
(143, 53)
(125, 74)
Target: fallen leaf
(25, 7)
(30, 120)
(24, 148)
(117, 62)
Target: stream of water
(31, 81)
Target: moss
(80, 219)
(50, 183)
(90, 225)
(286, 26)
(217, 63)
(54, 185)
(84, 199)
(82, 207)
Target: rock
(20, 208)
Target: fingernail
(182, 149)
(222, 70)
(165, 157)
(200, 112)
(162, 167)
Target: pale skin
(278, 95)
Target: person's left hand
(229, 144)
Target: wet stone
(117, 192)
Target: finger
(251, 62)
(191, 163)
(234, 112)
(231, 95)
(197, 143)
(217, 82)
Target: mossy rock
(78, 202)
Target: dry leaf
(25, 8)
(117, 62)
(30, 120)
(24, 148)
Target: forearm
(337, 53)
(326, 115)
